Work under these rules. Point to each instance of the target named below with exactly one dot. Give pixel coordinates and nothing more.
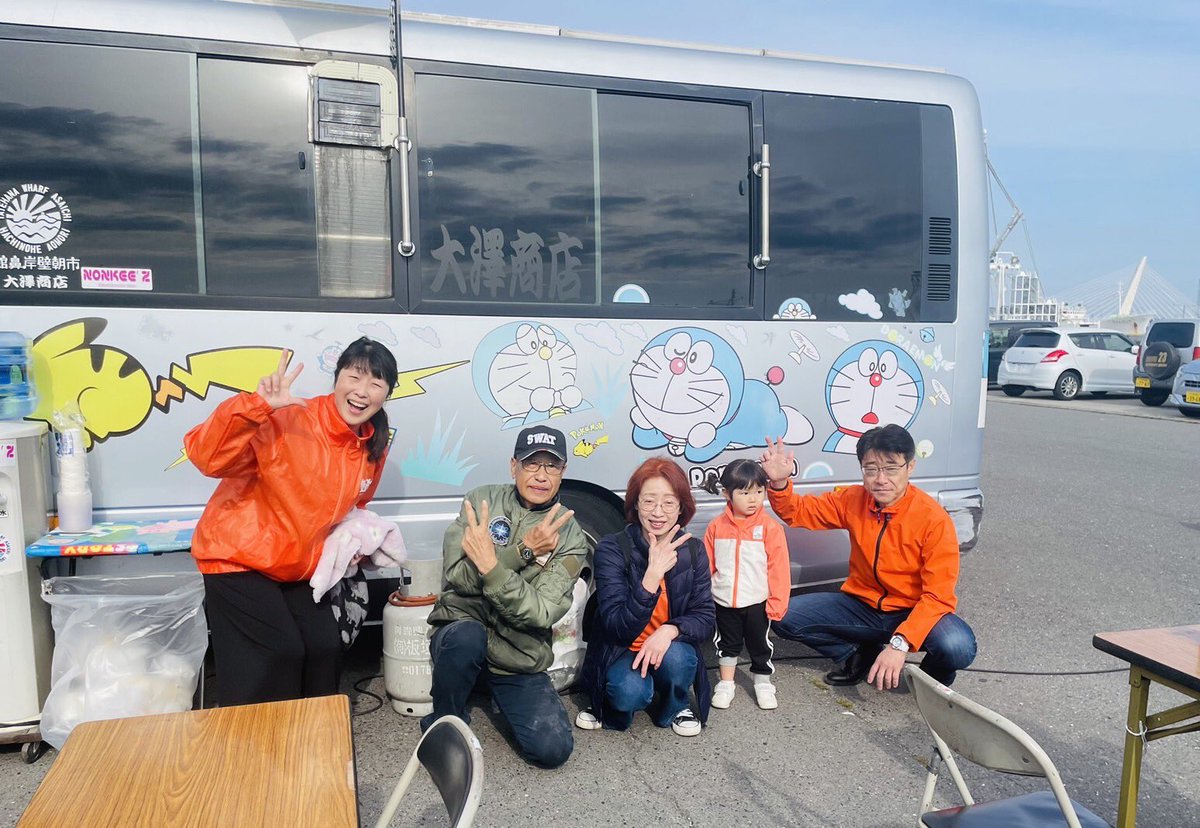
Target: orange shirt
(657, 618)
(902, 557)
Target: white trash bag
(567, 641)
(122, 647)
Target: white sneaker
(685, 723)
(723, 694)
(764, 694)
(587, 720)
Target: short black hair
(888, 439)
(740, 474)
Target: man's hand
(477, 540)
(662, 558)
(655, 647)
(885, 672)
(778, 461)
(543, 538)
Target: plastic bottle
(74, 493)
(18, 396)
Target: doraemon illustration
(872, 383)
(524, 372)
(794, 308)
(691, 395)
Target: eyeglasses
(649, 504)
(887, 471)
(553, 468)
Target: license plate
(1192, 397)
(1141, 382)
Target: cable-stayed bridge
(1136, 290)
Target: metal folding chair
(986, 738)
(452, 756)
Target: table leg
(1131, 768)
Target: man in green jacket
(510, 562)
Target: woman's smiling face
(358, 394)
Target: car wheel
(1067, 387)
(1190, 412)
(1160, 360)
(1014, 390)
(1152, 398)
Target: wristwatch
(527, 554)
(899, 642)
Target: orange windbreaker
(748, 559)
(289, 476)
(905, 556)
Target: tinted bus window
(506, 182)
(259, 220)
(850, 194)
(674, 204)
(96, 170)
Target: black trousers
(270, 640)
(748, 626)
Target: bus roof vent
(937, 286)
(939, 236)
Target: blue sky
(1092, 107)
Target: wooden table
(1169, 656)
(282, 763)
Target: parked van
(1170, 343)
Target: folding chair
(986, 738)
(452, 756)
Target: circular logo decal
(500, 529)
(33, 219)
(5, 549)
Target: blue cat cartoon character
(691, 395)
(872, 383)
(524, 372)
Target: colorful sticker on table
(5, 548)
(8, 454)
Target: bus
(658, 248)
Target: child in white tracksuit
(751, 579)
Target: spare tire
(1160, 360)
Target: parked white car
(1068, 362)
(1186, 393)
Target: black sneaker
(685, 723)
(854, 670)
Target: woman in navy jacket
(654, 608)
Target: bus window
(505, 176)
(855, 184)
(674, 203)
(259, 216)
(97, 173)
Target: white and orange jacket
(288, 476)
(748, 559)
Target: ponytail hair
(740, 474)
(368, 355)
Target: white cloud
(862, 302)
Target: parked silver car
(1186, 391)
(1068, 362)
(1170, 343)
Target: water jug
(18, 396)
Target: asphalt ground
(1092, 523)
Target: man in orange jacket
(899, 595)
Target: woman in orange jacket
(899, 595)
(290, 470)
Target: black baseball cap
(540, 438)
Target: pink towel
(361, 537)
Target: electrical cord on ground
(364, 692)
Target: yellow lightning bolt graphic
(408, 382)
(237, 369)
(182, 458)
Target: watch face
(526, 554)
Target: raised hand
(778, 461)
(662, 557)
(477, 538)
(276, 389)
(543, 538)
(654, 648)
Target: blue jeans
(836, 624)
(626, 692)
(527, 701)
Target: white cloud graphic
(862, 302)
(602, 335)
